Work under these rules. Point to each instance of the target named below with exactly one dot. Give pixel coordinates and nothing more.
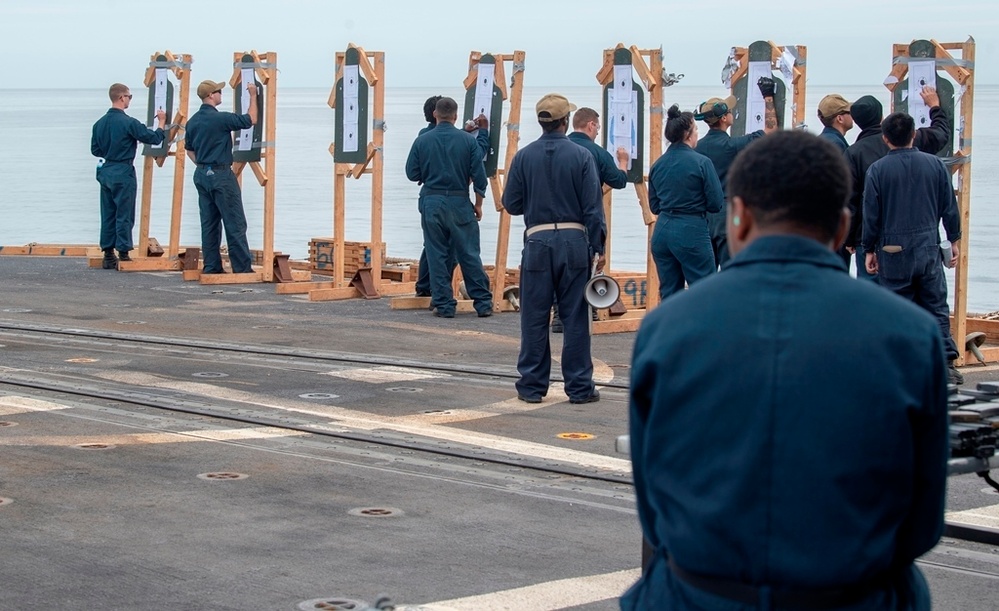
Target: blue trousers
(118, 186)
(451, 232)
(423, 273)
(221, 205)
(554, 264)
(681, 249)
(917, 275)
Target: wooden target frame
(149, 253)
(797, 70)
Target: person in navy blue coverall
(802, 480)
(721, 149)
(481, 130)
(220, 200)
(555, 185)
(683, 189)
(907, 193)
(114, 140)
(444, 160)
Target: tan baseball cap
(832, 105)
(553, 107)
(206, 88)
(715, 108)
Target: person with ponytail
(683, 189)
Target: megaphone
(601, 291)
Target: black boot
(123, 255)
(110, 261)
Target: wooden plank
(151, 264)
(191, 275)
(337, 294)
(301, 275)
(248, 278)
(300, 288)
(396, 288)
(409, 303)
(991, 354)
(51, 250)
(619, 325)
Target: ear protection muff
(717, 111)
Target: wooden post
(180, 154)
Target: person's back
(444, 158)
(804, 478)
(915, 189)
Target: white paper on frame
(246, 135)
(787, 67)
(755, 104)
(350, 137)
(622, 126)
(484, 91)
(350, 82)
(159, 102)
(922, 72)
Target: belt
(671, 213)
(214, 166)
(117, 162)
(554, 226)
(806, 599)
(445, 192)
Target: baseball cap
(206, 88)
(715, 108)
(554, 107)
(832, 105)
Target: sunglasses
(127, 95)
(218, 91)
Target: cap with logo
(714, 109)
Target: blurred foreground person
(806, 480)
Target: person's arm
(934, 138)
(192, 156)
(413, 170)
(592, 201)
(478, 207)
(655, 203)
(615, 177)
(856, 202)
(872, 221)
(138, 130)
(482, 135)
(769, 89)
(95, 147)
(477, 171)
(712, 187)
(950, 214)
(513, 187)
(251, 89)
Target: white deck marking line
(352, 419)
(980, 516)
(15, 404)
(550, 596)
(150, 438)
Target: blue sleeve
(872, 212)
(611, 175)
(143, 134)
(234, 121)
(655, 203)
(477, 170)
(413, 164)
(934, 138)
(513, 189)
(95, 148)
(591, 196)
(743, 141)
(949, 214)
(712, 187)
(639, 406)
(482, 140)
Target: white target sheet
(245, 136)
(622, 110)
(159, 103)
(484, 91)
(350, 110)
(756, 106)
(922, 72)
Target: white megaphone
(601, 291)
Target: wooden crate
(355, 255)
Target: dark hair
(792, 177)
(827, 121)
(428, 108)
(899, 128)
(678, 123)
(548, 127)
(116, 91)
(446, 108)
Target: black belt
(124, 162)
(806, 599)
(215, 166)
(445, 193)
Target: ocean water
(49, 194)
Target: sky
(92, 43)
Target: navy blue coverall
(114, 139)
(445, 159)
(906, 195)
(835, 138)
(423, 271)
(721, 149)
(683, 188)
(609, 174)
(549, 181)
(803, 472)
(220, 201)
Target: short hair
(116, 91)
(792, 177)
(677, 123)
(899, 129)
(550, 125)
(428, 108)
(446, 108)
(826, 121)
(583, 116)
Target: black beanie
(866, 112)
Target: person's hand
(871, 263)
(851, 250)
(470, 126)
(767, 86)
(623, 156)
(601, 261)
(955, 254)
(161, 118)
(482, 122)
(251, 88)
(478, 211)
(930, 97)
